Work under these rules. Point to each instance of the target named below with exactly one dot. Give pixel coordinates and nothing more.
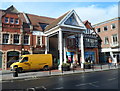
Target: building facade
(20, 33)
(67, 37)
(109, 32)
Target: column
(64, 51)
(82, 51)
(46, 44)
(60, 49)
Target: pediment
(72, 20)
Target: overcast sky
(95, 12)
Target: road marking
(93, 85)
(59, 88)
(88, 84)
(112, 79)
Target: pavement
(6, 75)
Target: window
(11, 20)
(39, 40)
(16, 39)
(25, 59)
(105, 28)
(113, 26)
(5, 38)
(106, 40)
(26, 39)
(98, 30)
(71, 21)
(6, 20)
(114, 39)
(16, 21)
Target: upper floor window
(6, 20)
(113, 26)
(16, 21)
(98, 30)
(106, 40)
(26, 39)
(16, 39)
(114, 38)
(39, 40)
(12, 20)
(105, 28)
(5, 38)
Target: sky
(95, 12)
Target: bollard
(115, 65)
(49, 71)
(73, 69)
(62, 69)
(101, 66)
(93, 67)
(109, 66)
(15, 71)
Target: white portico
(68, 25)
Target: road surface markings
(112, 79)
(59, 88)
(92, 84)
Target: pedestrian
(110, 61)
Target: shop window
(12, 20)
(106, 40)
(16, 39)
(26, 39)
(6, 20)
(5, 38)
(12, 56)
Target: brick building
(109, 32)
(22, 33)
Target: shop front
(90, 56)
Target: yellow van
(33, 62)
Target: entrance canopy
(67, 25)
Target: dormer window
(11, 20)
(16, 21)
(6, 20)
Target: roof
(55, 22)
(107, 21)
(35, 20)
(11, 9)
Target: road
(92, 80)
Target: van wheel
(46, 68)
(20, 70)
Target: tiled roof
(35, 20)
(55, 22)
